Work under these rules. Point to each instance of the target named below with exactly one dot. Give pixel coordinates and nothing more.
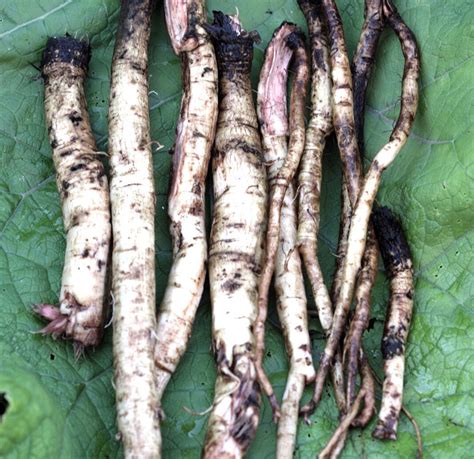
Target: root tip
(307, 410)
(275, 408)
(79, 350)
(161, 414)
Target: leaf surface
(58, 407)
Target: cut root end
(382, 432)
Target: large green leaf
(56, 406)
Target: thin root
(341, 432)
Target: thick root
(84, 196)
(133, 259)
(236, 411)
(399, 268)
(287, 42)
(361, 215)
(289, 285)
(186, 208)
(236, 244)
(182, 20)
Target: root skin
(236, 244)
(360, 320)
(289, 285)
(398, 265)
(288, 422)
(309, 179)
(344, 125)
(235, 414)
(363, 64)
(182, 17)
(368, 385)
(272, 77)
(411, 418)
(191, 153)
(344, 225)
(310, 172)
(342, 98)
(84, 193)
(396, 254)
(133, 260)
(361, 215)
(291, 307)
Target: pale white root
(342, 99)
(274, 124)
(288, 422)
(186, 208)
(398, 266)
(416, 427)
(356, 239)
(360, 320)
(133, 259)
(392, 391)
(336, 443)
(84, 193)
(360, 218)
(362, 64)
(394, 247)
(289, 285)
(181, 18)
(236, 245)
(309, 180)
(291, 307)
(310, 171)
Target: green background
(61, 408)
